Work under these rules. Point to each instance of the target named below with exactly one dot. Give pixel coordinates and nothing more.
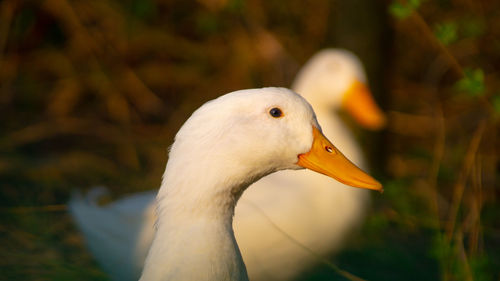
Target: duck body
(118, 234)
(311, 208)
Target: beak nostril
(323, 157)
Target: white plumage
(315, 210)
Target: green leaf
(479, 266)
(496, 104)
(441, 248)
(402, 11)
(142, 9)
(208, 23)
(473, 28)
(399, 10)
(236, 5)
(446, 32)
(414, 3)
(472, 83)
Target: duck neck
(194, 238)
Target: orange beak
(359, 102)
(326, 159)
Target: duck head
(242, 136)
(335, 78)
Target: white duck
(226, 145)
(120, 233)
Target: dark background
(92, 92)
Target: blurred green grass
(92, 92)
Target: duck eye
(276, 112)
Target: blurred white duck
(120, 233)
(225, 146)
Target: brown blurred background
(92, 92)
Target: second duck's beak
(326, 159)
(359, 102)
